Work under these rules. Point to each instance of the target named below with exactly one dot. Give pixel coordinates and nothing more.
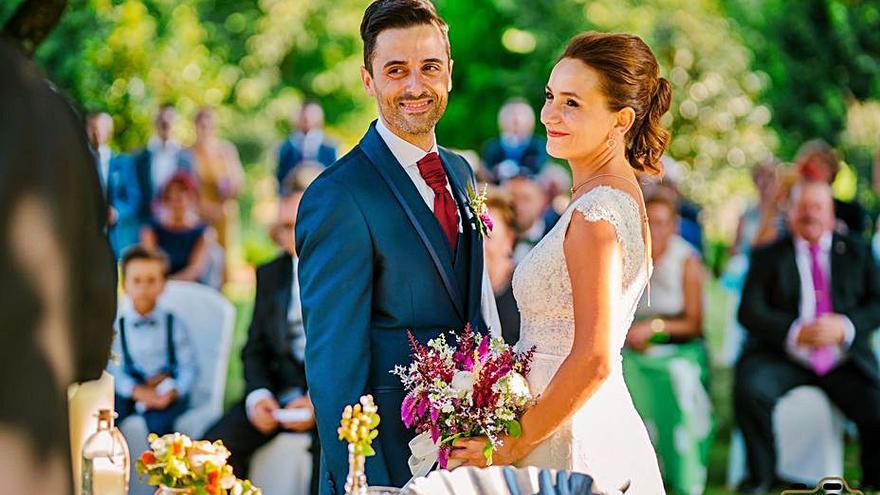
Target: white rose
(519, 387)
(463, 382)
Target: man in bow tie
(155, 366)
(810, 305)
(387, 241)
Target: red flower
(148, 458)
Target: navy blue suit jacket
(374, 263)
(143, 165)
(289, 156)
(123, 193)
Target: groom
(387, 242)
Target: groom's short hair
(397, 14)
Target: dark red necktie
(431, 169)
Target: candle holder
(358, 428)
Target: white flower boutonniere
(477, 203)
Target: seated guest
(665, 362)
(307, 144)
(118, 184)
(162, 158)
(817, 161)
(534, 214)
(499, 263)
(810, 305)
(274, 369)
(178, 230)
(157, 366)
(518, 151)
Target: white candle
(84, 401)
(107, 478)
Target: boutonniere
(477, 203)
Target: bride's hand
(470, 451)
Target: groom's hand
(262, 417)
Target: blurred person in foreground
(665, 362)
(810, 305)
(274, 357)
(518, 150)
(220, 177)
(118, 184)
(308, 143)
(499, 262)
(57, 277)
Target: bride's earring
(611, 143)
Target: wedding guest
(534, 215)
(307, 143)
(499, 262)
(220, 177)
(816, 160)
(159, 161)
(157, 366)
(57, 276)
(274, 368)
(118, 184)
(810, 305)
(766, 177)
(518, 151)
(178, 230)
(665, 363)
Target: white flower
(518, 385)
(463, 382)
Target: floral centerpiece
(177, 464)
(475, 388)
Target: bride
(577, 290)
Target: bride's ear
(624, 119)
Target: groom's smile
(410, 76)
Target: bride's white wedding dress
(606, 438)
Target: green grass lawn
(720, 383)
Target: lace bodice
(542, 285)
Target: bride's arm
(594, 260)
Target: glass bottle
(105, 459)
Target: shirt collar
(132, 315)
(156, 145)
(824, 243)
(406, 153)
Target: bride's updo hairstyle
(630, 77)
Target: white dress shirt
(164, 161)
(801, 353)
(104, 155)
(408, 155)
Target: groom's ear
(367, 79)
(451, 62)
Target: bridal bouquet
(476, 387)
(176, 462)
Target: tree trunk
(32, 22)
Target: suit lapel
(790, 277)
(412, 204)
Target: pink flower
(487, 221)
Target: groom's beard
(416, 124)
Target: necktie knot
(814, 250)
(431, 169)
